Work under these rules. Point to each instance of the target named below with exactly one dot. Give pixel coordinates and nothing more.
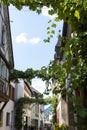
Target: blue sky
(28, 32)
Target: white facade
(37, 115)
(22, 90)
(8, 122)
(33, 115)
(37, 112)
(19, 89)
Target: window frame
(8, 119)
(3, 37)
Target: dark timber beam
(3, 107)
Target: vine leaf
(76, 14)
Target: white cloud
(23, 38)
(45, 12)
(34, 40)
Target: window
(3, 69)
(3, 38)
(7, 119)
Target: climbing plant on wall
(20, 105)
(74, 12)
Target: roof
(36, 91)
(28, 85)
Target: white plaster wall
(9, 108)
(59, 107)
(28, 114)
(33, 111)
(19, 90)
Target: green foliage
(71, 11)
(75, 65)
(29, 74)
(19, 105)
(60, 127)
(1, 123)
(54, 101)
(19, 117)
(74, 12)
(54, 105)
(51, 29)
